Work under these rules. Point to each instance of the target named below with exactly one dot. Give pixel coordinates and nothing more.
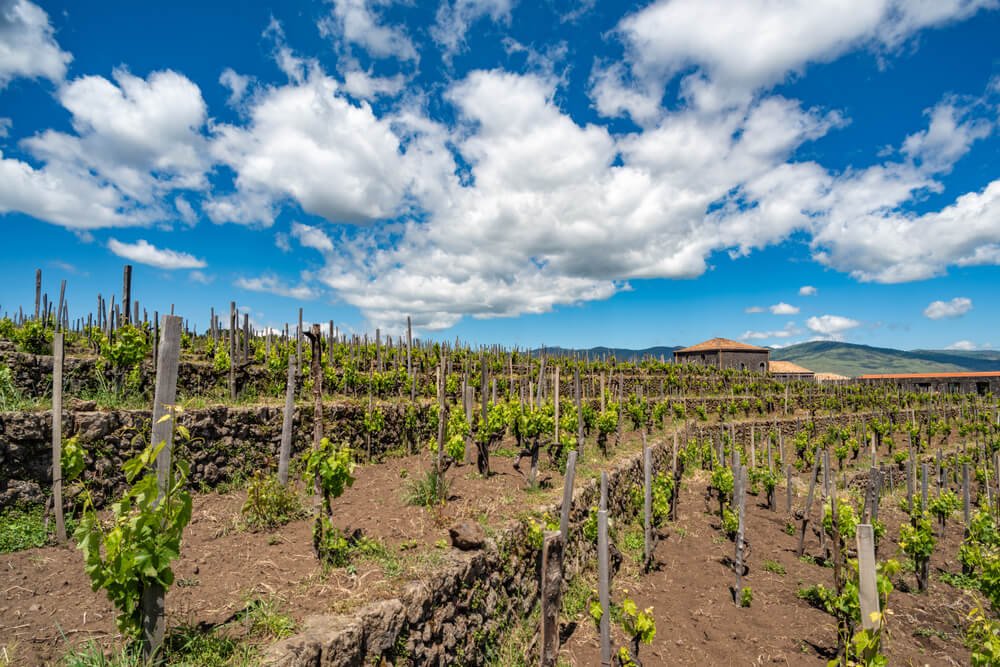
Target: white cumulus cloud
(27, 44)
(831, 326)
(783, 309)
(144, 252)
(807, 290)
(956, 307)
(273, 285)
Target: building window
(763, 367)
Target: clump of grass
(191, 646)
(427, 490)
(576, 598)
(377, 552)
(24, 528)
(270, 503)
(91, 654)
(774, 567)
(263, 618)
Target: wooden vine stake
(603, 574)
(867, 586)
(57, 389)
(809, 501)
(286, 423)
(164, 397)
(647, 506)
(739, 491)
(551, 597)
(567, 501)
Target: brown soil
(45, 595)
(698, 623)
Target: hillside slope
(852, 360)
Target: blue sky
(571, 174)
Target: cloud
(271, 284)
(787, 331)
(455, 17)
(808, 290)
(367, 87)
(27, 44)
(957, 307)
(311, 237)
(201, 278)
(237, 85)
(968, 346)
(135, 141)
(5, 124)
(734, 48)
(355, 22)
(831, 326)
(144, 252)
(300, 136)
(783, 309)
(752, 310)
(281, 242)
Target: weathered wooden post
(232, 350)
(603, 573)
(739, 491)
(923, 487)
(126, 293)
(38, 293)
(647, 507)
(550, 594)
(966, 497)
(579, 409)
(59, 311)
(57, 391)
(164, 397)
(788, 487)
(809, 500)
(567, 502)
(286, 424)
(867, 588)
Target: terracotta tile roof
(918, 376)
(724, 344)
(787, 367)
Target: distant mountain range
(832, 357)
(851, 360)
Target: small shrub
(269, 503)
(428, 490)
(746, 597)
(774, 567)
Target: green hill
(852, 360)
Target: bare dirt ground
(698, 623)
(46, 601)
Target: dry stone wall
(226, 442)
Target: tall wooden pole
(164, 397)
(57, 387)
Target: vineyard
(303, 497)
